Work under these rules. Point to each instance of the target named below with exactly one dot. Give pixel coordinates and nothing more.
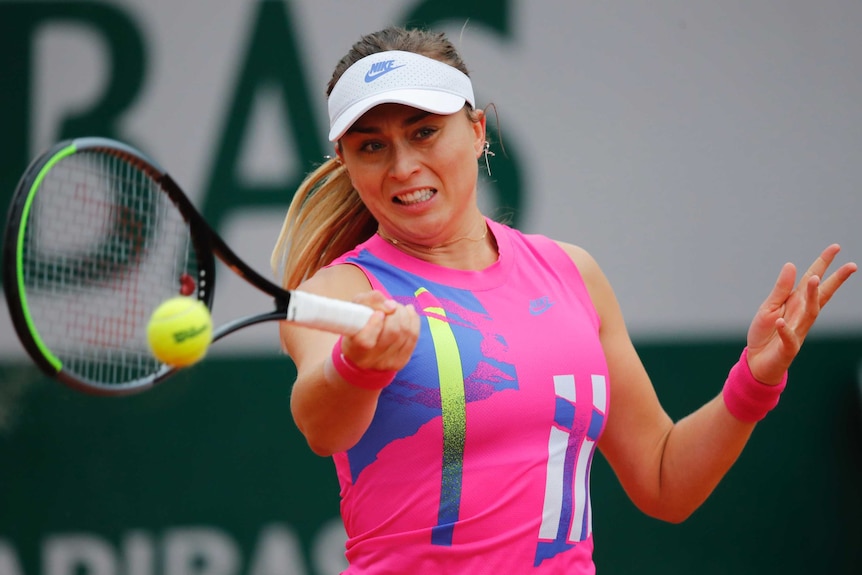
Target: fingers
(388, 339)
(826, 287)
(799, 305)
(398, 337)
(809, 312)
(782, 289)
(822, 263)
(789, 337)
(376, 300)
(831, 284)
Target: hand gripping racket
(97, 236)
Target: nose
(405, 162)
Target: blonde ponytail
(325, 219)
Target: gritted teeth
(415, 197)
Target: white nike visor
(400, 78)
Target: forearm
(698, 451)
(331, 413)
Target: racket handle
(328, 314)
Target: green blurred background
(207, 474)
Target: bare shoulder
(341, 281)
(597, 283)
(585, 262)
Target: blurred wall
(693, 148)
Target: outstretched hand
(783, 320)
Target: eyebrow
(409, 120)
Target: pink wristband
(746, 398)
(371, 379)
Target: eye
(371, 146)
(425, 132)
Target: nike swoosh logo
(373, 74)
(540, 305)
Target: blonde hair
(326, 217)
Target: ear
(338, 155)
(479, 127)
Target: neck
(426, 248)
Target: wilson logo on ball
(183, 335)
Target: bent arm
(667, 469)
(330, 412)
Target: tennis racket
(97, 236)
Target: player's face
(416, 171)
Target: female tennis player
(463, 418)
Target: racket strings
(103, 246)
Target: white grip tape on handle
(334, 315)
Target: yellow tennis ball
(180, 331)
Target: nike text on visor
(400, 78)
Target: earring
(486, 150)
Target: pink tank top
(478, 457)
